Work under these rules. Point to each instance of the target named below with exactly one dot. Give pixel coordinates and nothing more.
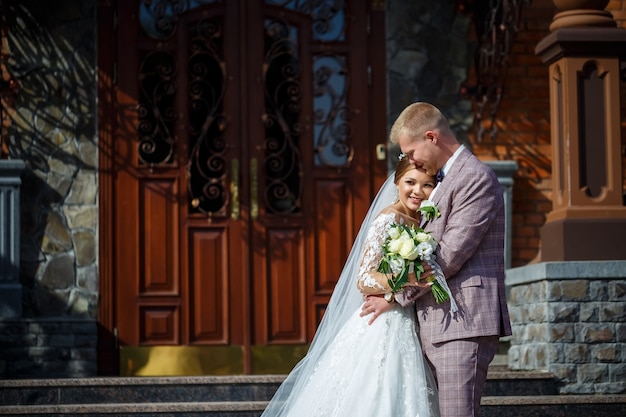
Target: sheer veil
(344, 301)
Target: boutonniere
(429, 209)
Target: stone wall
(569, 318)
(50, 52)
(428, 59)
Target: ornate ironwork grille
(207, 167)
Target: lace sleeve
(369, 281)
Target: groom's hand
(425, 279)
(375, 305)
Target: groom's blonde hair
(416, 119)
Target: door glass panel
(332, 130)
(283, 129)
(157, 88)
(206, 169)
(329, 17)
(158, 17)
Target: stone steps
(508, 394)
(552, 406)
(178, 409)
(502, 382)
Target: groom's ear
(431, 135)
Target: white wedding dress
(375, 371)
(365, 370)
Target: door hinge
(369, 75)
(368, 24)
(116, 339)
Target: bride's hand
(375, 305)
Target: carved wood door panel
(243, 165)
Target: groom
(470, 231)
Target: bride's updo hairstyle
(404, 165)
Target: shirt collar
(446, 167)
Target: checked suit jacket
(470, 233)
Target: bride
(353, 368)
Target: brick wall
(523, 128)
(54, 348)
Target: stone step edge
(141, 381)
(131, 408)
(516, 375)
(234, 406)
(553, 399)
(208, 379)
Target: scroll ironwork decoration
(329, 17)
(207, 166)
(283, 127)
(496, 22)
(332, 128)
(156, 113)
(159, 18)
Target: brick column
(567, 311)
(588, 220)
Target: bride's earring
(396, 196)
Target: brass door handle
(381, 152)
(234, 188)
(254, 189)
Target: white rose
(394, 245)
(408, 250)
(423, 237)
(394, 232)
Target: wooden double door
(243, 156)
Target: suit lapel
(452, 176)
(441, 196)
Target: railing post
(505, 171)
(10, 287)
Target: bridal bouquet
(404, 250)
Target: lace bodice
(370, 281)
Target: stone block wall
(428, 59)
(49, 122)
(50, 348)
(569, 318)
(53, 129)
